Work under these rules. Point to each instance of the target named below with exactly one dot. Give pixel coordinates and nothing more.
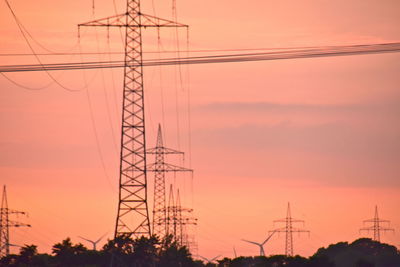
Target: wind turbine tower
(288, 229)
(377, 226)
(132, 215)
(6, 223)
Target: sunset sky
(320, 133)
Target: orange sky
(322, 133)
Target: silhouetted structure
(260, 245)
(93, 242)
(133, 216)
(178, 218)
(377, 226)
(210, 261)
(160, 168)
(288, 229)
(6, 223)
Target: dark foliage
(363, 252)
(152, 252)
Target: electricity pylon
(178, 218)
(261, 245)
(160, 168)
(5, 225)
(133, 214)
(288, 229)
(377, 226)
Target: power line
(170, 51)
(249, 57)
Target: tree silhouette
(124, 251)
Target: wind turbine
(209, 260)
(261, 245)
(93, 242)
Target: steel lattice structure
(288, 229)
(377, 226)
(5, 224)
(133, 214)
(178, 218)
(160, 167)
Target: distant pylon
(178, 218)
(5, 224)
(377, 227)
(288, 229)
(160, 167)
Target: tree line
(124, 251)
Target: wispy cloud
(273, 107)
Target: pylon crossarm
(297, 230)
(112, 21)
(15, 212)
(17, 224)
(296, 220)
(287, 219)
(189, 221)
(374, 220)
(152, 21)
(120, 21)
(387, 229)
(163, 150)
(167, 168)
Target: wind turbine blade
(204, 258)
(86, 239)
(268, 238)
(213, 259)
(98, 240)
(251, 242)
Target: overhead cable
(230, 58)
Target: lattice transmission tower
(288, 229)
(6, 223)
(133, 215)
(160, 167)
(377, 226)
(178, 218)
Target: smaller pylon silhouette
(5, 225)
(288, 229)
(377, 226)
(160, 167)
(178, 218)
(261, 245)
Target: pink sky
(322, 133)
